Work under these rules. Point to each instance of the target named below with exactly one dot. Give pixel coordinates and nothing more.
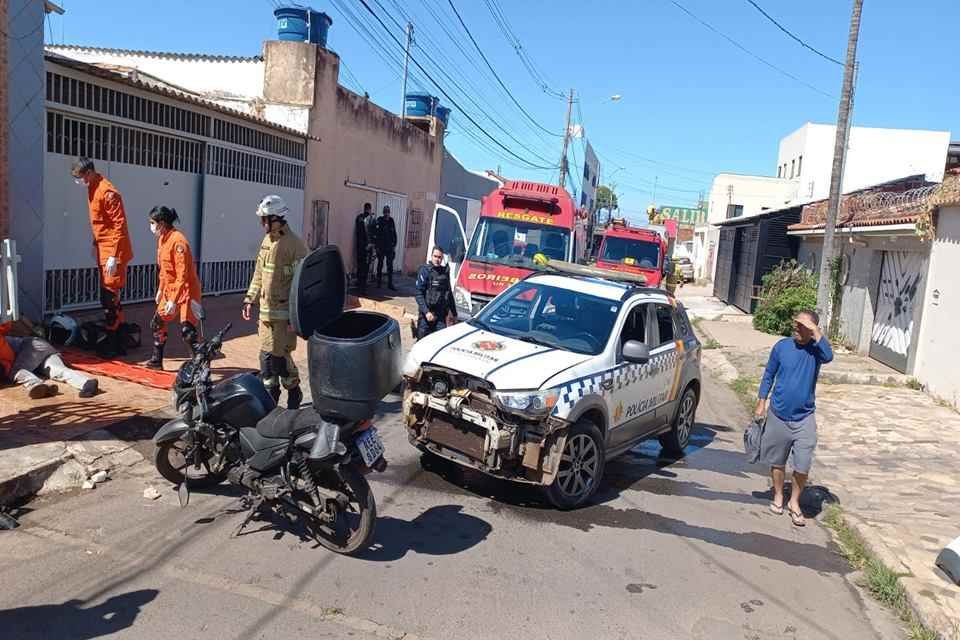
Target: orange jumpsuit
(179, 284)
(108, 221)
(6, 352)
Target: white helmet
(272, 205)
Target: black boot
(294, 398)
(275, 394)
(156, 360)
(111, 346)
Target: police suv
(561, 372)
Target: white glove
(111, 266)
(157, 298)
(169, 307)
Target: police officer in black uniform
(434, 297)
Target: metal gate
(398, 209)
(898, 295)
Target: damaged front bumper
(468, 428)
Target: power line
(370, 10)
(787, 31)
(501, 19)
(495, 75)
(748, 51)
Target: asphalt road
(669, 550)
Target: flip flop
(796, 517)
(776, 509)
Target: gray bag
(751, 439)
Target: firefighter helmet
(272, 205)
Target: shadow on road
(72, 620)
(438, 531)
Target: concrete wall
(24, 160)
(462, 190)
(364, 144)
(755, 193)
(939, 340)
(874, 156)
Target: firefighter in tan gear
(280, 252)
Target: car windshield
(516, 243)
(552, 316)
(638, 253)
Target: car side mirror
(636, 352)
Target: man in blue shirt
(791, 373)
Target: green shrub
(786, 290)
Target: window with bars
(86, 95)
(145, 148)
(239, 165)
(415, 228)
(74, 137)
(250, 137)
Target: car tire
(676, 440)
(581, 468)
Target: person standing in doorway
(791, 428)
(279, 254)
(386, 247)
(434, 296)
(111, 245)
(361, 242)
(178, 293)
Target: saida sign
(683, 215)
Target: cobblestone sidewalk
(892, 456)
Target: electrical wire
(787, 31)
(749, 52)
(427, 74)
(350, 73)
(494, 72)
(501, 19)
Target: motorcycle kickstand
(254, 507)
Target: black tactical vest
(438, 286)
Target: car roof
(607, 289)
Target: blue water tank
(319, 26)
(291, 24)
(443, 114)
(421, 104)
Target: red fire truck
(518, 221)
(642, 250)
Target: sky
(695, 101)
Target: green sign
(684, 215)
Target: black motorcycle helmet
(166, 215)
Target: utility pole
(566, 142)
(836, 176)
(406, 64)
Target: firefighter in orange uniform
(111, 241)
(178, 296)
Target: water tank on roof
(292, 23)
(443, 114)
(319, 26)
(421, 104)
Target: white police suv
(558, 374)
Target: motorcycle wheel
(352, 529)
(169, 459)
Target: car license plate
(370, 445)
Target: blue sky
(692, 103)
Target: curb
(925, 611)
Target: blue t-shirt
(792, 372)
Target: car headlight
(461, 297)
(534, 403)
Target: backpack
(751, 439)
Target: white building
(874, 156)
(804, 165)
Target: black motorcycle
(301, 465)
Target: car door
(446, 232)
(634, 385)
(668, 356)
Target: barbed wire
(910, 199)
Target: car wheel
(675, 440)
(581, 467)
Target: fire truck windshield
(515, 243)
(634, 252)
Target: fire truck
(520, 224)
(640, 250)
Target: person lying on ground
(31, 361)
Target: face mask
(153, 228)
(79, 181)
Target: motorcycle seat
(286, 423)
